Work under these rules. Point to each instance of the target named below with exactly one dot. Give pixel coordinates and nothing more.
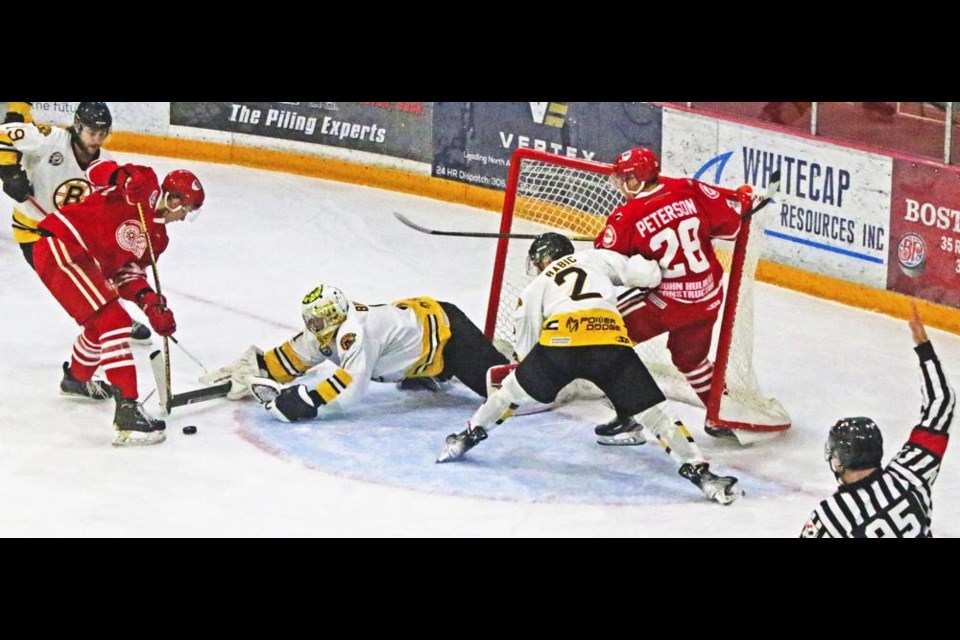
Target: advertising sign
(925, 232)
(473, 141)
(399, 129)
(831, 215)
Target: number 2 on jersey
(686, 237)
(578, 293)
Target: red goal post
(547, 192)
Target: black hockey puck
(190, 430)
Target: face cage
(620, 184)
(324, 320)
(191, 216)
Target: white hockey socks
(672, 436)
(500, 405)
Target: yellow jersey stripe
(284, 364)
(333, 386)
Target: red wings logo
(130, 237)
(711, 193)
(609, 237)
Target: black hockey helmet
(855, 443)
(95, 115)
(550, 244)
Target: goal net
(546, 192)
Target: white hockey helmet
(324, 309)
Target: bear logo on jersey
(347, 341)
(55, 159)
(130, 237)
(70, 192)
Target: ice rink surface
(235, 278)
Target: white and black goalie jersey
(895, 502)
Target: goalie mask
(855, 444)
(549, 244)
(324, 310)
(641, 164)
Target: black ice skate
(620, 432)
(94, 389)
(140, 333)
(459, 443)
(134, 426)
(718, 432)
(719, 488)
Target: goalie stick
(170, 400)
(470, 234)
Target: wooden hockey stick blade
(772, 188)
(157, 364)
(199, 395)
(471, 234)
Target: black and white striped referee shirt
(895, 502)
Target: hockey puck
(190, 430)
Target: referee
(892, 501)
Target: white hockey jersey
(383, 343)
(52, 168)
(575, 299)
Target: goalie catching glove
(239, 374)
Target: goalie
(567, 326)
(418, 338)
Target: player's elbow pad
(641, 272)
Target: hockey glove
(295, 403)
(138, 185)
(160, 316)
(15, 182)
(748, 199)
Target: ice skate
(134, 426)
(94, 389)
(459, 443)
(723, 489)
(621, 432)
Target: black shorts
(617, 370)
(468, 354)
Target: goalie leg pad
(239, 374)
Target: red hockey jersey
(109, 228)
(673, 224)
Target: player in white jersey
(43, 168)
(566, 326)
(413, 338)
(54, 160)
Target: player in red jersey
(94, 252)
(672, 221)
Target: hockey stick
(188, 354)
(166, 393)
(168, 402)
(469, 234)
(772, 188)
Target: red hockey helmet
(640, 163)
(184, 185)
